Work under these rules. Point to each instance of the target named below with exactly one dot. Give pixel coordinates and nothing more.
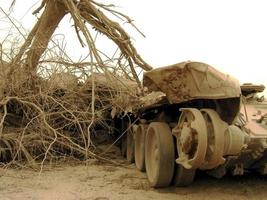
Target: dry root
(53, 107)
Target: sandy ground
(104, 182)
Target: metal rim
(191, 137)
(159, 154)
(139, 150)
(130, 145)
(216, 128)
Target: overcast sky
(230, 35)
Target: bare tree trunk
(48, 22)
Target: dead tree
(81, 11)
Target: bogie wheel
(182, 176)
(216, 130)
(139, 149)
(124, 145)
(191, 138)
(159, 154)
(130, 144)
(123, 127)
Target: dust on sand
(107, 182)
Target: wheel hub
(191, 137)
(200, 136)
(186, 139)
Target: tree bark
(53, 13)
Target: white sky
(230, 35)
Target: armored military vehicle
(193, 117)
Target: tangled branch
(54, 107)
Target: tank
(193, 117)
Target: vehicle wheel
(124, 146)
(139, 147)
(130, 145)
(159, 154)
(191, 138)
(182, 176)
(123, 127)
(216, 134)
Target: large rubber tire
(182, 176)
(159, 154)
(130, 146)
(139, 147)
